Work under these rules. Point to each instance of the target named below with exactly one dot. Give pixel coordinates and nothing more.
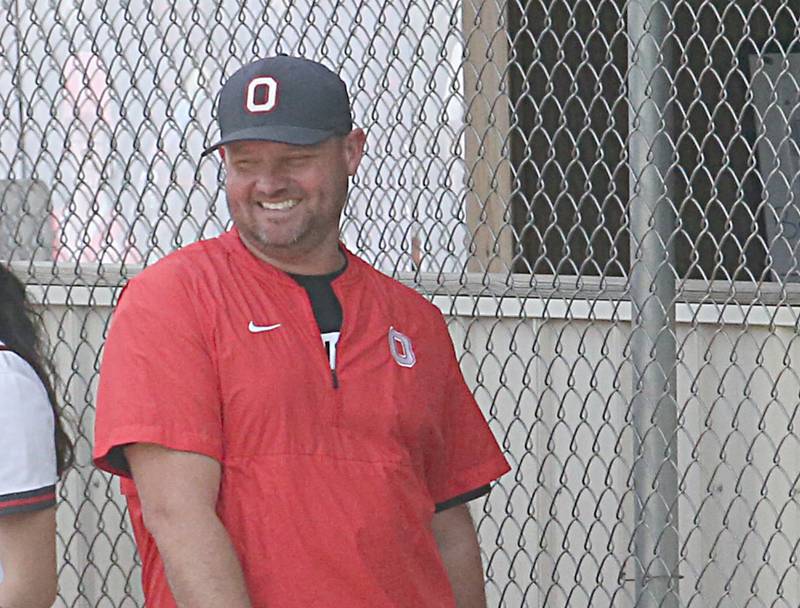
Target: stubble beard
(303, 239)
(260, 237)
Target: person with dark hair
(34, 452)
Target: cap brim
(299, 136)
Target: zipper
(339, 401)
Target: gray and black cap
(283, 99)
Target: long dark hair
(20, 333)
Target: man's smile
(280, 205)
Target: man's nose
(271, 183)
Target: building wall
(553, 379)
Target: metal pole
(652, 282)
(20, 156)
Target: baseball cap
(284, 99)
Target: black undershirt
(324, 303)
(328, 313)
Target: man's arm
(458, 545)
(178, 492)
(28, 559)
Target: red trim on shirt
(27, 501)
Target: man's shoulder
(185, 265)
(179, 278)
(397, 292)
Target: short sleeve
(469, 457)
(158, 382)
(27, 443)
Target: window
(568, 79)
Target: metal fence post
(19, 157)
(653, 344)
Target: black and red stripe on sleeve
(463, 498)
(32, 500)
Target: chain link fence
(601, 195)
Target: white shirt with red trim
(27, 446)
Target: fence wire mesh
(601, 195)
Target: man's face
(286, 200)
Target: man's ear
(221, 151)
(354, 149)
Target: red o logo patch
(401, 349)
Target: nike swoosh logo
(257, 329)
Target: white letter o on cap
(270, 99)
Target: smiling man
(291, 426)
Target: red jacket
(327, 491)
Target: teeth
(288, 204)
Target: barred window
(732, 123)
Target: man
(291, 426)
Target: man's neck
(327, 261)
